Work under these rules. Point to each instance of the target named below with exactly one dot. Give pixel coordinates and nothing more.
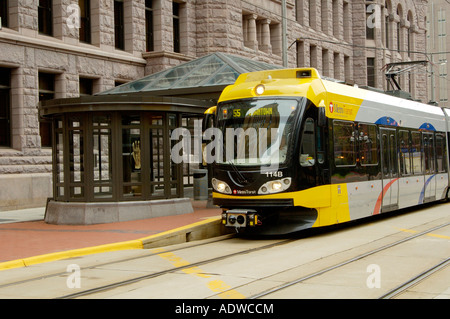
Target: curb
(205, 229)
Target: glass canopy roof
(211, 70)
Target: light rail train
(326, 152)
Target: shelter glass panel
(102, 151)
(59, 159)
(76, 157)
(131, 156)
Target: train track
(147, 276)
(269, 292)
(388, 295)
(391, 294)
(170, 270)
(415, 280)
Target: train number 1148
(274, 174)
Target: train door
(430, 169)
(389, 169)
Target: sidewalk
(24, 234)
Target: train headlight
(259, 89)
(221, 186)
(275, 186)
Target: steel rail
(415, 280)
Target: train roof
(340, 100)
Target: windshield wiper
(240, 177)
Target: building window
(371, 72)
(118, 82)
(347, 69)
(408, 40)
(46, 92)
(386, 27)
(399, 30)
(301, 61)
(408, 34)
(149, 25)
(325, 62)
(324, 16)
(312, 14)
(119, 26)
(370, 28)
(85, 20)
(45, 17)
(313, 56)
(4, 14)
(5, 107)
(347, 21)
(176, 26)
(335, 9)
(86, 86)
(274, 37)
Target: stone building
(69, 48)
(438, 29)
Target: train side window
(405, 149)
(440, 154)
(416, 152)
(428, 150)
(344, 143)
(368, 144)
(308, 149)
(385, 157)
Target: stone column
(252, 41)
(265, 36)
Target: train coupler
(240, 218)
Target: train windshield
(256, 132)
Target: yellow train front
(288, 153)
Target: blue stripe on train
(422, 193)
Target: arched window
(409, 43)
